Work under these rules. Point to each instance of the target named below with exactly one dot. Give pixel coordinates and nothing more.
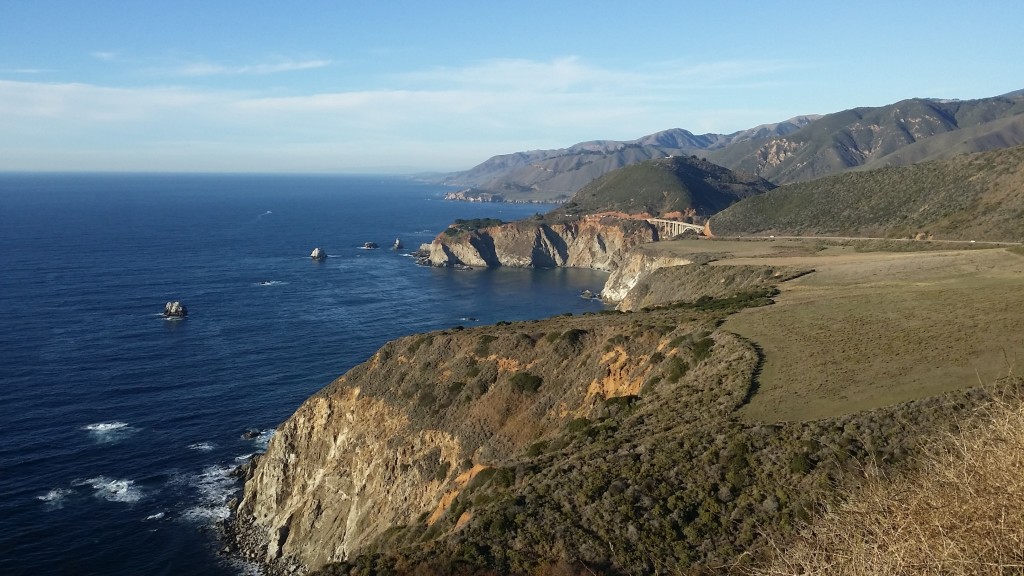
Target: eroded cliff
(592, 242)
(398, 439)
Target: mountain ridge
(798, 149)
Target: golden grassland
(870, 329)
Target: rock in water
(370, 245)
(318, 254)
(398, 244)
(175, 309)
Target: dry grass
(961, 512)
(870, 330)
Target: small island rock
(175, 309)
(370, 245)
(318, 254)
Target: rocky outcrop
(636, 265)
(175, 309)
(318, 254)
(597, 243)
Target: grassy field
(870, 329)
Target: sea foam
(54, 499)
(214, 487)
(108, 431)
(113, 490)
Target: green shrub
(677, 368)
(526, 382)
(483, 345)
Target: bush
(526, 382)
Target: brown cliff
(593, 242)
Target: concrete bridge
(670, 228)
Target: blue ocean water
(120, 427)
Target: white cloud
(213, 69)
(105, 56)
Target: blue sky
(318, 86)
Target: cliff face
(597, 243)
(636, 265)
(396, 440)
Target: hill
(969, 197)
(681, 186)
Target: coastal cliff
(412, 437)
(592, 242)
(611, 442)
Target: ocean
(120, 427)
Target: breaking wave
(113, 490)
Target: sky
(408, 86)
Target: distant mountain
(799, 149)
(902, 133)
(969, 197)
(557, 174)
(682, 186)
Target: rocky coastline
(352, 463)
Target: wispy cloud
(196, 69)
(25, 71)
(104, 56)
(446, 117)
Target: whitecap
(54, 499)
(201, 446)
(113, 490)
(214, 486)
(108, 431)
(105, 426)
(157, 516)
(264, 438)
(245, 457)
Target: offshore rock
(593, 242)
(318, 254)
(175, 309)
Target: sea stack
(318, 254)
(175, 309)
(398, 244)
(370, 245)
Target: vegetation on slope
(968, 197)
(959, 513)
(678, 184)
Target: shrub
(526, 382)
(677, 368)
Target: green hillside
(970, 197)
(688, 185)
